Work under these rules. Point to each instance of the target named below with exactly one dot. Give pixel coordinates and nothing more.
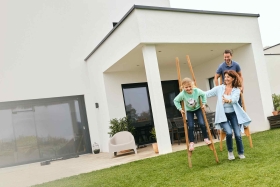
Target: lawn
(260, 168)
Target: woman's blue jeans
(227, 127)
(190, 118)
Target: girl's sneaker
(191, 146)
(207, 141)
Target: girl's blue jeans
(190, 118)
(228, 127)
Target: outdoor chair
(172, 130)
(123, 140)
(197, 131)
(211, 121)
(180, 128)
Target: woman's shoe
(231, 156)
(242, 156)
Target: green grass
(260, 168)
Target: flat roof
(166, 9)
(271, 46)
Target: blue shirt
(224, 67)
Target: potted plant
(154, 136)
(118, 125)
(96, 148)
(276, 103)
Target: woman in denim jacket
(229, 113)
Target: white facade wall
(272, 58)
(273, 68)
(43, 46)
(273, 50)
(183, 27)
(102, 61)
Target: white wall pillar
(156, 96)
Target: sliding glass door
(138, 107)
(138, 110)
(26, 143)
(42, 129)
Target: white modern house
(66, 71)
(272, 58)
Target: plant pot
(274, 121)
(155, 147)
(96, 151)
(275, 113)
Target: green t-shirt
(191, 100)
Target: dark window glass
(170, 90)
(138, 110)
(7, 138)
(25, 135)
(42, 129)
(137, 104)
(138, 107)
(211, 82)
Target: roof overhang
(176, 33)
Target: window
(138, 107)
(42, 129)
(211, 82)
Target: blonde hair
(187, 81)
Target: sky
(269, 20)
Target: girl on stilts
(190, 96)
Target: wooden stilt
(247, 129)
(184, 116)
(222, 137)
(211, 146)
(222, 133)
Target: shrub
(153, 133)
(276, 101)
(118, 125)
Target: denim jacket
(220, 116)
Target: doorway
(138, 107)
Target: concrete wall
(273, 68)
(44, 45)
(273, 50)
(181, 27)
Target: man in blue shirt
(228, 64)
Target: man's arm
(241, 79)
(216, 79)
